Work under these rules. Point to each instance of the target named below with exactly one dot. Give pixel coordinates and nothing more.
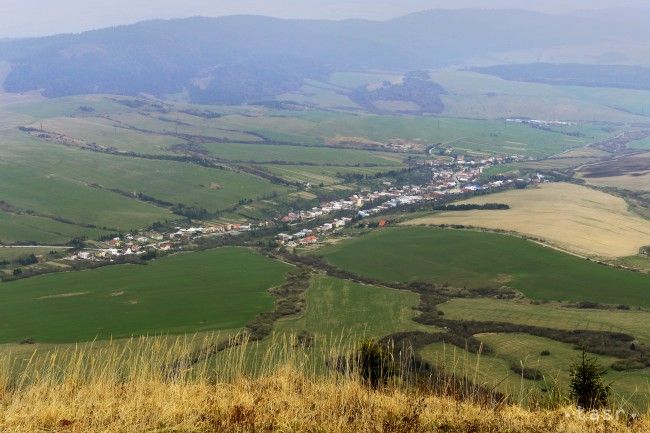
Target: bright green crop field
(190, 292)
(479, 259)
(338, 307)
(299, 154)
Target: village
(448, 178)
(457, 177)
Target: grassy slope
(55, 180)
(474, 135)
(485, 259)
(183, 293)
(463, 134)
(338, 307)
(15, 253)
(28, 229)
(285, 398)
(484, 96)
(494, 370)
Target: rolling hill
(251, 58)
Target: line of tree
(471, 206)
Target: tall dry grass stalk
(161, 385)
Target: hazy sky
(20, 18)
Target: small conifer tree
(587, 389)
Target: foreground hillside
(131, 389)
(280, 402)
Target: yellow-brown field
(631, 182)
(572, 217)
(129, 390)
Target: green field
(323, 174)
(633, 322)
(299, 154)
(69, 106)
(484, 96)
(189, 292)
(478, 259)
(9, 253)
(26, 229)
(488, 136)
(338, 307)
(321, 95)
(79, 186)
(485, 136)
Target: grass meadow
(479, 259)
(184, 293)
(300, 154)
(77, 186)
(340, 307)
(27, 229)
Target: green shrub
(375, 363)
(527, 372)
(587, 389)
(627, 364)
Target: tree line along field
(551, 315)
(572, 217)
(183, 293)
(478, 259)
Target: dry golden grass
(128, 389)
(634, 183)
(572, 217)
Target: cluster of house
(311, 236)
(459, 176)
(462, 176)
(401, 200)
(388, 199)
(131, 244)
(211, 229)
(354, 202)
(142, 242)
(540, 122)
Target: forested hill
(619, 76)
(250, 58)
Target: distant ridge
(246, 58)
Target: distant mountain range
(241, 59)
